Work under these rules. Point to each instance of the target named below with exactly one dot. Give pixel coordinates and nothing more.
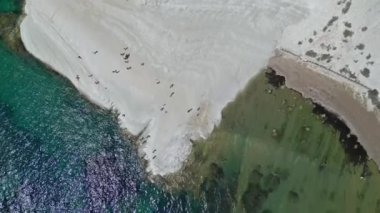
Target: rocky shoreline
(336, 97)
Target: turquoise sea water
(13, 6)
(58, 152)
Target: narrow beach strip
(334, 96)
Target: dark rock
(346, 7)
(365, 72)
(311, 53)
(347, 24)
(273, 79)
(360, 46)
(355, 152)
(348, 33)
(330, 23)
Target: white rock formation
(343, 36)
(170, 66)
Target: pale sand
(335, 97)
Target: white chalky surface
(187, 59)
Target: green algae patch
(7, 23)
(271, 153)
(10, 17)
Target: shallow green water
(271, 153)
(11, 6)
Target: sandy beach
(334, 96)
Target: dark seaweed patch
(373, 95)
(217, 196)
(353, 149)
(216, 171)
(259, 188)
(293, 196)
(366, 171)
(273, 79)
